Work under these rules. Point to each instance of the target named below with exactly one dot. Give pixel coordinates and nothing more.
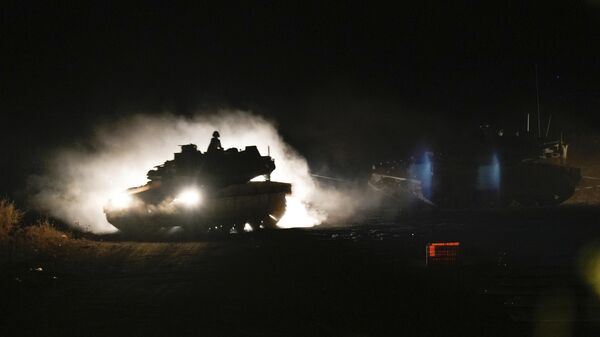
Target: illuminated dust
(80, 181)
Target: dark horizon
(346, 84)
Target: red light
(442, 252)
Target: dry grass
(18, 235)
(43, 234)
(10, 218)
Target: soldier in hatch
(215, 143)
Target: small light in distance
(188, 198)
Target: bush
(44, 233)
(10, 216)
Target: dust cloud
(80, 180)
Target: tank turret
(214, 169)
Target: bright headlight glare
(190, 197)
(121, 200)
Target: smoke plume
(79, 181)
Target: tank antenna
(548, 127)
(268, 176)
(537, 91)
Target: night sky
(347, 83)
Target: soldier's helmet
(216, 134)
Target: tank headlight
(120, 200)
(189, 198)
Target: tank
(203, 192)
(488, 169)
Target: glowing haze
(79, 182)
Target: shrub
(44, 233)
(10, 216)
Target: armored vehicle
(203, 192)
(488, 169)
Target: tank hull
(460, 185)
(526, 184)
(258, 204)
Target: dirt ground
(520, 273)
